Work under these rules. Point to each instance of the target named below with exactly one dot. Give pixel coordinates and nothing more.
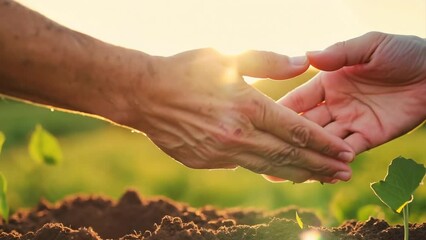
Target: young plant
(4, 207)
(44, 147)
(2, 139)
(396, 190)
(299, 221)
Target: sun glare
(250, 80)
(289, 27)
(310, 235)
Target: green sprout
(299, 221)
(2, 139)
(4, 207)
(44, 147)
(396, 190)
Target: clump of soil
(133, 218)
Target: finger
(346, 53)
(358, 143)
(264, 64)
(294, 129)
(304, 97)
(273, 179)
(258, 165)
(319, 114)
(337, 129)
(280, 154)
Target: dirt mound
(96, 218)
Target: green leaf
(44, 147)
(2, 139)
(4, 207)
(403, 178)
(299, 221)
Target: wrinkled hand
(199, 110)
(374, 90)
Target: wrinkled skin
(372, 89)
(198, 109)
(195, 105)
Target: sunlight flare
(310, 235)
(250, 80)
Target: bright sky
(291, 27)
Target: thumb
(347, 53)
(262, 64)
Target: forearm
(44, 62)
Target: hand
(373, 92)
(195, 105)
(199, 110)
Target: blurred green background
(100, 158)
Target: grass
(101, 158)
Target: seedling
(299, 221)
(44, 148)
(396, 190)
(4, 207)
(2, 139)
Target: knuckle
(286, 156)
(327, 150)
(323, 169)
(300, 135)
(227, 139)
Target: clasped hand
(199, 110)
(202, 113)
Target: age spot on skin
(300, 136)
(255, 102)
(238, 132)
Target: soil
(132, 217)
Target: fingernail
(346, 156)
(344, 176)
(299, 60)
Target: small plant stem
(406, 223)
